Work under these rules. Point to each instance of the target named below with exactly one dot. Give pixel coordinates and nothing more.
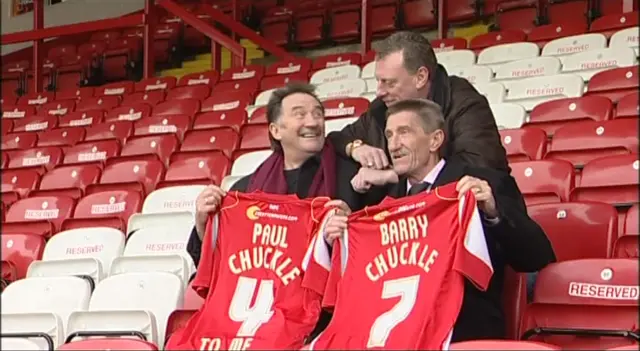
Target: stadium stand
(101, 169)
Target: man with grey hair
(414, 133)
(406, 67)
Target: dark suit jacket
(516, 240)
(346, 169)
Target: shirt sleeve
(206, 268)
(317, 260)
(472, 254)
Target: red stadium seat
(34, 123)
(300, 66)
(41, 215)
(502, 345)
(109, 344)
(448, 44)
(68, 181)
(553, 114)
(582, 142)
(199, 92)
(156, 83)
(628, 106)
(21, 249)
(161, 145)
(209, 78)
(105, 209)
(120, 130)
(176, 124)
(514, 301)
(259, 115)
(557, 11)
(6, 127)
(525, 144)
(419, 13)
(187, 107)
(20, 182)
(384, 14)
(132, 112)
(548, 32)
(228, 101)
(345, 107)
(254, 136)
(151, 98)
(347, 58)
(80, 119)
(610, 24)
(483, 41)
(140, 175)
(120, 55)
(58, 107)
(75, 94)
(35, 99)
(224, 139)
(231, 86)
(612, 180)
(232, 118)
(11, 111)
(591, 303)
(544, 181)
(460, 11)
(277, 24)
(23, 140)
(115, 89)
(520, 15)
(97, 103)
(310, 18)
(68, 136)
(624, 348)
(344, 25)
(47, 157)
(614, 83)
(252, 72)
(578, 229)
(196, 167)
(92, 151)
(281, 80)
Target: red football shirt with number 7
(396, 278)
(254, 255)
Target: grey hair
(430, 113)
(416, 51)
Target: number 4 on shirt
(241, 311)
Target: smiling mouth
(309, 135)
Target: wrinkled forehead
(390, 66)
(402, 120)
(300, 101)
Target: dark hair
(274, 106)
(429, 112)
(416, 51)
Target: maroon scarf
(269, 177)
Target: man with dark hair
(406, 68)
(302, 162)
(414, 133)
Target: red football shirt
(250, 273)
(396, 278)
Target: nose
(380, 90)
(393, 144)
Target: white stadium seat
(247, 163)
(456, 58)
(229, 181)
(494, 92)
(499, 54)
(175, 264)
(333, 74)
(337, 124)
(43, 305)
(250, 109)
(171, 208)
(263, 98)
(530, 92)
(342, 88)
(474, 74)
(369, 70)
(562, 47)
(626, 38)
(372, 85)
(588, 63)
(508, 115)
(140, 302)
(19, 344)
(83, 251)
(533, 67)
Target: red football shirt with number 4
(396, 278)
(254, 254)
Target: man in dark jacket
(406, 67)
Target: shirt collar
(432, 175)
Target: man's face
(394, 81)
(409, 145)
(300, 128)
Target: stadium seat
(225, 139)
(543, 34)
(419, 14)
(254, 136)
(58, 107)
(566, 46)
(588, 63)
(332, 74)
(448, 44)
(344, 23)
(552, 115)
(499, 54)
(19, 141)
(456, 58)
(19, 181)
(335, 60)
(196, 167)
(625, 38)
(105, 209)
(494, 92)
(578, 229)
(253, 72)
(41, 157)
(61, 136)
(51, 301)
(97, 103)
(244, 85)
(151, 98)
(119, 130)
(336, 125)
(590, 303)
(175, 124)
(69, 181)
(92, 151)
(140, 175)
(281, 80)
(209, 78)
(538, 66)
(300, 66)
(582, 142)
(247, 163)
(263, 97)
(21, 249)
(486, 40)
(348, 107)
(614, 83)
(158, 145)
(109, 344)
(342, 88)
(42, 215)
(231, 118)
(34, 123)
(508, 116)
(80, 119)
(75, 94)
(199, 92)
(530, 92)
(518, 15)
(628, 106)
(115, 89)
(187, 107)
(36, 99)
(136, 302)
(501, 345)
(609, 24)
(475, 74)
(155, 83)
(228, 101)
(626, 246)
(129, 112)
(526, 144)
(612, 180)
(544, 181)
(85, 252)
(20, 111)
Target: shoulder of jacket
(464, 93)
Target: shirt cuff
(491, 221)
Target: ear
(421, 77)
(274, 130)
(436, 141)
